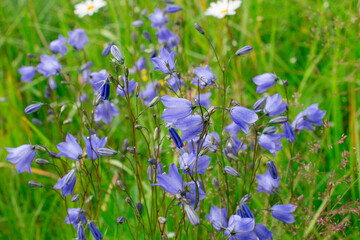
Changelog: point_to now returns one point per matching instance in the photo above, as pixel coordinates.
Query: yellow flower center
(224, 11)
(161, 81)
(90, 7)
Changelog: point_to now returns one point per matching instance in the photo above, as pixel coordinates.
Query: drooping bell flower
(268, 182)
(67, 183)
(22, 157)
(190, 163)
(310, 116)
(92, 144)
(240, 228)
(78, 39)
(164, 62)
(105, 112)
(58, 45)
(218, 218)
(242, 117)
(264, 81)
(75, 216)
(176, 108)
(271, 142)
(49, 66)
(94, 231)
(275, 106)
(164, 35)
(190, 126)
(283, 213)
(204, 99)
(149, 93)
(289, 132)
(70, 149)
(27, 73)
(204, 77)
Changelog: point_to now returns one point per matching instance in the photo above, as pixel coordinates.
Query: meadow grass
(312, 44)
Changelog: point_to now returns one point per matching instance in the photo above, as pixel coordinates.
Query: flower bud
(40, 148)
(117, 54)
(245, 199)
(106, 152)
(269, 130)
(42, 161)
(128, 200)
(75, 198)
(154, 101)
(88, 200)
(33, 108)
(138, 126)
(192, 215)
(120, 184)
(272, 169)
(139, 207)
(138, 23)
(146, 35)
(259, 103)
(199, 28)
(52, 154)
(162, 220)
(244, 50)
(279, 120)
(120, 220)
(231, 171)
(34, 184)
(156, 134)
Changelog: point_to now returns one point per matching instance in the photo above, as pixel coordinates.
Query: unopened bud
(139, 207)
(117, 54)
(231, 171)
(154, 101)
(120, 220)
(162, 220)
(199, 28)
(156, 134)
(40, 148)
(120, 184)
(244, 50)
(279, 120)
(192, 215)
(75, 198)
(52, 154)
(42, 161)
(138, 126)
(259, 103)
(88, 200)
(34, 184)
(106, 152)
(128, 200)
(269, 130)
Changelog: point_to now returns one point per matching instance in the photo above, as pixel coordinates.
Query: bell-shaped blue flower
(244, 211)
(67, 183)
(218, 218)
(275, 106)
(158, 18)
(233, 129)
(98, 79)
(149, 93)
(190, 126)
(92, 144)
(189, 164)
(164, 35)
(271, 142)
(310, 116)
(204, 77)
(75, 216)
(70, 149)
(242, 117)
(94, 231)
(22, 157)
(264, 81)
(27, 73)
(283, 213)
(240, 228)
(176, 83)
(48, 66)
(105, 112)
(289, 132)
(127, 89)
(78, 39)
(267, 183)
(262, 232)
(176, 108)
(164, 62)
(204, 99)
(58, 45)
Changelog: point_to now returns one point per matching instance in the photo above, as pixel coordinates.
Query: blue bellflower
(233, 129)
(158, 18)
(267, 182)
(149, 93)
(98, 79)
(94, 231)
(204, 77)
(244, 211)
(218, 218)
(264, 81)
(48, 66)
(22, 157)
(75, 216)
(262, 232)
(236, 145)
(176, 108)
(106, 50)
(176, 83)
(310, 116)
(211, 141)
(271, 142)
(242, 117)
(27, 73)
(275, 106)
(164, 62)
(70, 149)
(59, 46)
(190, 126)
(283, 213)
(105, 112)
(93, 144)
(127, 89)
(164, 35)
(67, 183)
(289, 132)
(240, 228)
(188, 163)
(172, 8)
(78, 39)
(81, 232)
(204, 99)
(140, 64)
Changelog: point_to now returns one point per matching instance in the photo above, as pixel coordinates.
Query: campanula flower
(106, 50)
(240, 228)
(149, 93)
(175, 136)
(52, 83)
(242, 117)
(130, 89)
(264, 81)
(22, 157)
(289, 132)
(222, 8)
(81, 232)
(192, 215)
(154, 169)
(283, 213)
(268, 182)
(218, 218)
(33, 108)
(204, 77)
(140, 64)
(78, 39)
(271, 142)
(67, 183)
(48, 66)
(188, 163)
(158, 18)
(115, 51)
(70, 149)
(75, 216)
(204, 99)
(98, 79)
(94, 231)
(105, 112)
(262, 232)
(244, 211)
(164, 35)
(105, 90)
(231, 171)
(233, 129)
(190, 126)
(275, 106)
(164, 62)
(176, 83)
(176, 108)
(310, 116)
(92, 144)
(58, 45)
(27, 73)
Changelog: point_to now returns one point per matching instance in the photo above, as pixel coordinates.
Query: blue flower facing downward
(27, 73)
(283, 213)
(92, 144)
(70, 149)
(264, 81)
(75, 216)
(242, 117)
(22, 157)
(275, 106)
(218, 218)
(78, 39)
(48, 66)
(164, 62)
(204, 77)
(67, 183)
(59, 46)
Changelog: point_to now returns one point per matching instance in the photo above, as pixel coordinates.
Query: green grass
(323, 40)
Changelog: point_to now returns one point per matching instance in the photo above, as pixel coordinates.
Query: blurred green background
(313, 44)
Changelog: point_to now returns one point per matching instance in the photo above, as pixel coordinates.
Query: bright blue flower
(275, 106)
(149, 93)
(67, 187)
(204, 77)
(204, 99)
(48, 66)
(140, 64)
(75, 216)
(121, 91)
(70, 149)
(78, 39)
(94, 231)
(105, 91)
(92, 146)
(172, 8)
(98, 79)
(59, 46)
(190, 126)
(158, 18)
(33, 108)
(164, 62)
(22, 157)
(105, 112)
(188, 163)
(310, 116)
(289, 132)
(27, 73)
(218, 218)
(233, 129)
(244, 211)
(242, 117)
(175, 83)
(262, 232)
(267, 183)
(106, 50)
(52, 83)
(272, 169)
(164, 35)
(264, 81)
(81, 232)
(283, 213)
(240, 228)
(175, 136)
(271, 142)
(176, 108)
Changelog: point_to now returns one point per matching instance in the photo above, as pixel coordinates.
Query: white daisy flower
(89, 7)
(222, 8)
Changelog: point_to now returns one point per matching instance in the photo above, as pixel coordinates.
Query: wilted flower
(58, 45)
(94, 231)
(33, 108)
(78, 39)
(310, 116)
(92, 144)
(105, 112)
(274, 105)
(218, 218)
(204, 77)
(140, 64)
(164, 62)
(67, 183)
(89, 7)
(222, 8)
(120, 220)
(27, 73)
(22, 157)
(242, 117)
(158, 18)
(283, 213)
(264, 81)
(70, 149)
(75, 216)
(49, 66)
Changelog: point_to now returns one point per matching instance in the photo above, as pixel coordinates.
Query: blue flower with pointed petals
(78, 39)
(158, 18)
(204, 99)
(94, 231)
(164, 35)
(149, 93)
(242, 117)
(190, 126)
(267, 183)
(105, 112)
(262, 232)
(70, 149)
(176, 108)
(58, 45)
(188, 163)
(92, 144)
(264, 81)
(75, 216)
(67, 183)
(22, 157)
(204, 77)
(283, 213)
(98, 79)
(240, 228)
(289, 132)
(140, 64)
(275, 106)
(310, 116)
(176, 83)
(48, 66)
(218, 218)
(233, 129)
(127, 89)
(271, 142)
(164, 62)
(27, 73)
